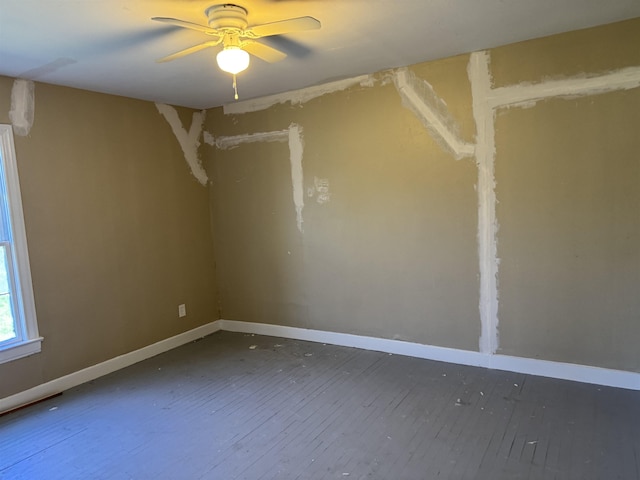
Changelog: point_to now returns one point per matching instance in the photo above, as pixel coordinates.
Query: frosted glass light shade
(232, 60)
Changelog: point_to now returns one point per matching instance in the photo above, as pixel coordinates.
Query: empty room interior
(427, 267)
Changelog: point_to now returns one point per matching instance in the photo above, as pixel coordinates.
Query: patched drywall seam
(296, 148)
(480, 78)
(486, 100)
(292, 135)
(298, 97)
(526, 95)
(419, 97)
(22, 113)
(225, 143)
(189, 141)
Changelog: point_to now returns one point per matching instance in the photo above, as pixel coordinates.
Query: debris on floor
(253, 347)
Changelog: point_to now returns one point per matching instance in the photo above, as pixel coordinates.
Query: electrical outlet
(182, 310)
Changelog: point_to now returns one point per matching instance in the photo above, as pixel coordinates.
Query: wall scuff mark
(419, 97)
(22, 113)
(189, 141)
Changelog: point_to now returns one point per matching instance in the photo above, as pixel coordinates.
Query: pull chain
(235, 87)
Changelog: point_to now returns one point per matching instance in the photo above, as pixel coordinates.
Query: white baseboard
(543, 368)
(90, 373)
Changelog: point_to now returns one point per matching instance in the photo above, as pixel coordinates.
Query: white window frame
(28, 341)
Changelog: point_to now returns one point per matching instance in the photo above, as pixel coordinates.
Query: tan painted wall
(569, 216)
(391, 254)
(394, 253)
(118, 231)
(568, 186)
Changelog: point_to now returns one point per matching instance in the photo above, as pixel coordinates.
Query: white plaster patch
(208, 138)
(321, 190)
(480, 78)
(486, 101)
(22, 113)
(525, 95)
(228, 142)
(368, 81)
(419, 97)
(189, 141)
(296, 147)
(292, 135)
(297, 97)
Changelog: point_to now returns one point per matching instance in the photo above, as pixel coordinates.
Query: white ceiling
(111, 45)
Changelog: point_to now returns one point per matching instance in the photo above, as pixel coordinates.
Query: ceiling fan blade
(188, 51)
(284, 26)
(264, 52)
(185, 24)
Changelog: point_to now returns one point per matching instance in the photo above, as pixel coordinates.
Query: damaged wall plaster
(225, 143)
(486, 100)
(296, 147)
(297, 97)
(480, 78)
(22, 113)
(292, 135)
(189, 141)
(320, 190)
(418, 96)
(526, 95)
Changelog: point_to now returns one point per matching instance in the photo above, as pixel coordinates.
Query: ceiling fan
(229, 26)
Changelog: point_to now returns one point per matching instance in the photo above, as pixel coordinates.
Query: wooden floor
(237, 406)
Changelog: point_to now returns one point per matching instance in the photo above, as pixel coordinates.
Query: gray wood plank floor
(220, 408)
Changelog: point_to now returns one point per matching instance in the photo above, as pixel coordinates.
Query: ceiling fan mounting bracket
(227, 16)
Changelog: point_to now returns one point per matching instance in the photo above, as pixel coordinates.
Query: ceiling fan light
(232, 60)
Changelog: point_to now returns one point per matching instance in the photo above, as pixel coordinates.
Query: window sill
(24, 349)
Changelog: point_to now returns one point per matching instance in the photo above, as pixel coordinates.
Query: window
(18, 327)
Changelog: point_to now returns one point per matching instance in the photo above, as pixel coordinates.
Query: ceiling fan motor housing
(227, 16)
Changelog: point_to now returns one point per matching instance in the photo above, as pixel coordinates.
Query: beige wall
(568, 187)
(391, 254)
(569, 216)
(118, 231)
(394, 252)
